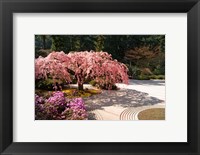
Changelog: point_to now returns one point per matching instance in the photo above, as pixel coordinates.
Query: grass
(152, 114)
(70, 92)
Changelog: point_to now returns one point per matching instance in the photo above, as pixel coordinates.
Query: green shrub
(159, 70)
(48, 84)
(143, 77)
(103, 86)
(42, 53)
(133, 71)
(160, 76)
(157, 77)
(136, 71)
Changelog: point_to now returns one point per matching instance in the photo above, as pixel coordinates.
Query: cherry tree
(55, 66)
(98, 66)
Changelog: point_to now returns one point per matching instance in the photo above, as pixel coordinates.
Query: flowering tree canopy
(54, 65)
(98, 66)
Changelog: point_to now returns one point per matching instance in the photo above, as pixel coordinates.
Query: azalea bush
(78, 109)
(58, 107)
(98, 66)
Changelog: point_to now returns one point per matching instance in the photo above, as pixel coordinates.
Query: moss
(73, 93)
(93, 91)
(70, 93)
(152, 114)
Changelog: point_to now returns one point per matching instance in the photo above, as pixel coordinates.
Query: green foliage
(114, 44)
(42, 42)
(48, 84)
(133, 71)
(105, 86)
(161, 77)
(159, 70)
(118, 44)
(99, 43)
(144, 51)
(42, 53)
(87, 42)
(59, 43)
(143, 77)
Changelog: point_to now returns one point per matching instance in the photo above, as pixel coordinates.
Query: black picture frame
(8, 7)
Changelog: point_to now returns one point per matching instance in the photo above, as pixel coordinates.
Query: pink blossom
(98, 66)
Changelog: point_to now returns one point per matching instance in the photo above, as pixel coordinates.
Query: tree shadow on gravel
(122, 97)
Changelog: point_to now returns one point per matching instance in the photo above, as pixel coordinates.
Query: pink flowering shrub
(98, 66)
(39, 99)
(57, 107)
(57, 99)
(78, 109)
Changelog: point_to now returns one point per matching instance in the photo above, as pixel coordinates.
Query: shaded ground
(123, 97)
(126, 103)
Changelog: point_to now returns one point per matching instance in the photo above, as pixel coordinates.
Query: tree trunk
(80, 86)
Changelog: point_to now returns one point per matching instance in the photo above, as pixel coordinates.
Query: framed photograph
(104, 77)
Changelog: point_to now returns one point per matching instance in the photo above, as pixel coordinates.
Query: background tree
(59, 43)
(99, 42)
(150, 49)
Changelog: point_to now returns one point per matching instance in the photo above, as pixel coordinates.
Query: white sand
(124, 104)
